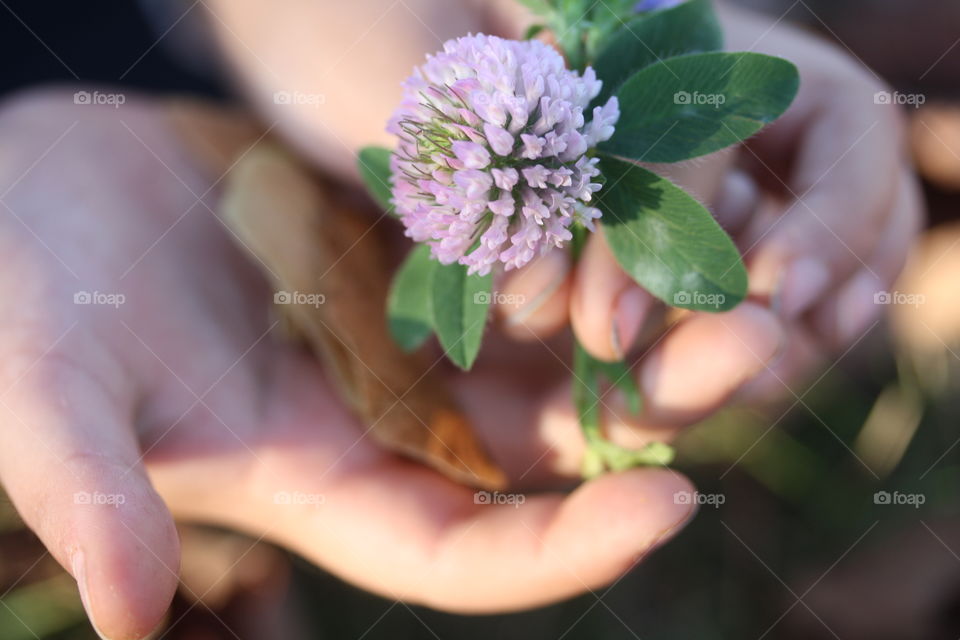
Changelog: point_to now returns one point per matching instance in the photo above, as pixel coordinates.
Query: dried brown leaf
(313, 245)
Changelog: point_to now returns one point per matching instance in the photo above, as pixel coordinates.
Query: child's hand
(847, 207)
(325, 53)
(141, 379)
(829, 227)
(845, 213)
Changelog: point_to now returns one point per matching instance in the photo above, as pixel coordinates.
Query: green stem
(602, 455)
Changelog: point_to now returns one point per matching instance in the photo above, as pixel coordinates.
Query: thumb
(70, 463)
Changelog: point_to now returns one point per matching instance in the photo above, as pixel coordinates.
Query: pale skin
(92, 391)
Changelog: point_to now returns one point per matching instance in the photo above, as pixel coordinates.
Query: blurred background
(842, 520)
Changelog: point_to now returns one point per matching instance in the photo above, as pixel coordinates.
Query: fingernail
(803, 282)
(667, 534)
(628, 316)
(536, 284)
(79, 569)
(684, 506)
(663, 537)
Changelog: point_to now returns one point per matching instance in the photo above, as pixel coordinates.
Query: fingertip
(802, 285)
(598, 338)
(705, 359)
(767, 263)
(643, 496)
(599, 283)
(533, 302)
(854, 310)
(627, 513)
(802, 356)
(126, 564)
(546, 321)
(630, 312)
(85, 492)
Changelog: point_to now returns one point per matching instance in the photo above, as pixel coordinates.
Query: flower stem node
(603, 455)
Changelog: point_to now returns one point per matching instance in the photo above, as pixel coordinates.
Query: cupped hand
(837, 206)
(143, 380)
(823, 205)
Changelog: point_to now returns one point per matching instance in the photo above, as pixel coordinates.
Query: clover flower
(492, 161)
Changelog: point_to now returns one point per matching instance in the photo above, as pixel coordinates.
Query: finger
(525, 552)
(534, 301)
(404, 531)
(838, 197)
(695, 369)
(69, 461)
(861, 299)
(704, 360)
(802, 355)
(841, 321)
(607, 309)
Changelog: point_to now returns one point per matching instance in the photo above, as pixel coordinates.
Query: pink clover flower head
(492, 162)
